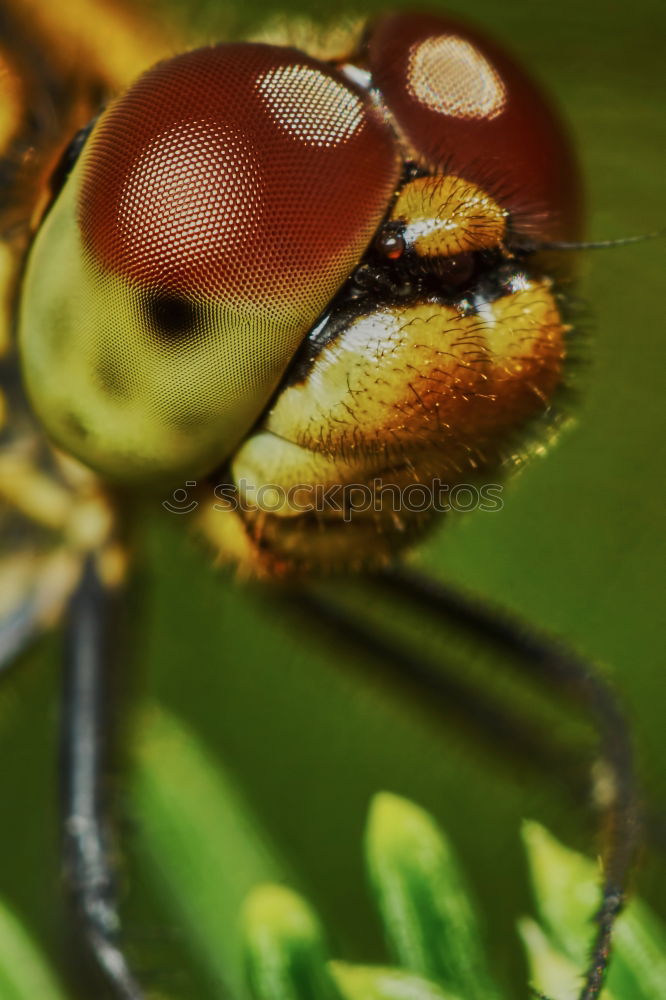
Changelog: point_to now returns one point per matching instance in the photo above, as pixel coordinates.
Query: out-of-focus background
(240, 693)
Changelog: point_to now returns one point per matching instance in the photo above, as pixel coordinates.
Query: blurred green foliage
(277, 949)
(432, 929)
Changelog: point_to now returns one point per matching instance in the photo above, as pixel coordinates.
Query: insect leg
(84, 738)
(565, 673)
(537, 657)
(429, 685)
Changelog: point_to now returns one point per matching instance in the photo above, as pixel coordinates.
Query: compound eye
(172, 317)
(467, 108)
(214, 212)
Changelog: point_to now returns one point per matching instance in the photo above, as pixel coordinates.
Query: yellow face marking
(405, 395)
(444, 216)
(426, 376)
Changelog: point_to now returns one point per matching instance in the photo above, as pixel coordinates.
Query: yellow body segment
(424, 371)
(444, 216)
(415, 394)
(106, 35)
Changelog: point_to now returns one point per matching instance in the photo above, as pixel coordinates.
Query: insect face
(243, 203)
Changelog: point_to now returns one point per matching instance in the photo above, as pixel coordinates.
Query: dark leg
(551, 664)
(432, 688)
(569, 675)
(84, 738)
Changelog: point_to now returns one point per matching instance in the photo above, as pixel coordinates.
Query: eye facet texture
(468, 108)
(242, 171)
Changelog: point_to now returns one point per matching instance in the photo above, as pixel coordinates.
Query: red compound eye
(468, 108)
(248, 174)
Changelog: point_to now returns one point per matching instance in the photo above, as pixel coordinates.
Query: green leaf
(566, 890)
(567, 894)
(24, 975)
(423, 900)
(370, 982)
(640, 952)
(284, 948)
(204, 846)
(550, 969)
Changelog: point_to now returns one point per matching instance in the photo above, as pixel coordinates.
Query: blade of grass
(430, 924)
(286, 955)
(369, 982)
(204, 847)
(24, 973)
(566, 892)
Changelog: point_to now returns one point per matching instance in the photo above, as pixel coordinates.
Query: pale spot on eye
(311, 106)
(449, 75)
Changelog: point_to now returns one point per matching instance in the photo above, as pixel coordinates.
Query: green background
(578, 549)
